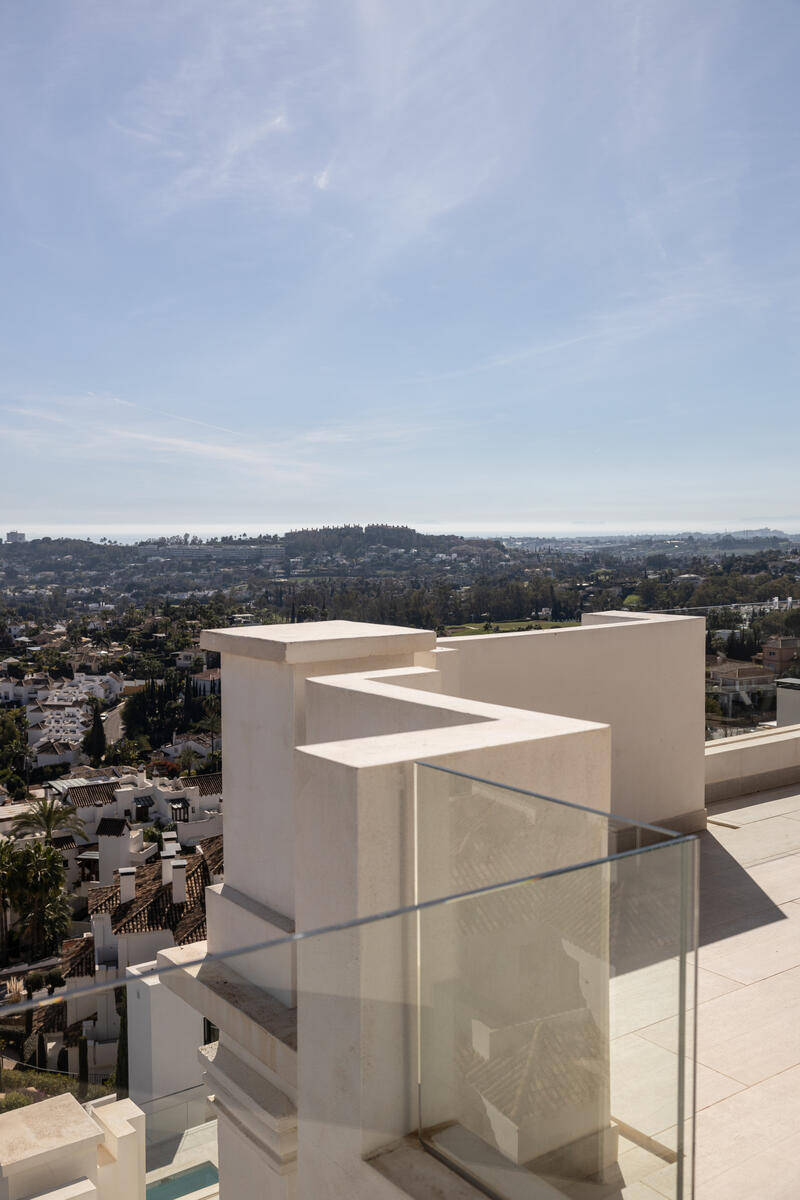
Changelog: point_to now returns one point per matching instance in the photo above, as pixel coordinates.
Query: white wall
(57, 1148)
(320, 749)
(263, 719)
(753, 762)
(114, 853)
(191, 832)
(788, 703)
(163, 1039)
(644, 675)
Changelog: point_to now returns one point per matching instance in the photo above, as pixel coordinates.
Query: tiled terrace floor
(748, 1072)
(748, 1105)
(748, 1142)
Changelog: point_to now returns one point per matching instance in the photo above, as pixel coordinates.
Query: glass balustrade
(525, 1026)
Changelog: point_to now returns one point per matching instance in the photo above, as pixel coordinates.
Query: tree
(211, 722)
(8, 854)
(13, 751)
(36, 890)
(187, 760)
(83, 1066)
(123, 753)
(56, 922)
(94, 743)
(48, 817)
(34, 982)
(53, 980)
(121, 1072)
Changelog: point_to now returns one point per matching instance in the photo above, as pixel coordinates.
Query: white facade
(788, 701)
(323, 724)
(164, 1034)
(58, 1150)
(141, 801)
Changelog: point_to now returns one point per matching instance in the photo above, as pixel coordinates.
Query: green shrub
(15, 1100)
(34, 980)
(53, 980)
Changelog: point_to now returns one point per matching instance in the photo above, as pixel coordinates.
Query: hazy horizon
(139, 532)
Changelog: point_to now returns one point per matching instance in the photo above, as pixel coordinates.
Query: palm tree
(8, 853)
(188, 760)
(212, 721)
(56, 921)
(48, 817)
(37, 883)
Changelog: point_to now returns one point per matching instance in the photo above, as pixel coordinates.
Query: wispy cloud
(92, 422)
(303, 244)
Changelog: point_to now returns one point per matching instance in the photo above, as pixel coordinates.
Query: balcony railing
(528, 1022)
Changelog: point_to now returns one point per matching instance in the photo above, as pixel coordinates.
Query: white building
(371, 768)
(193, 803)
(63, 1151)
(333, 717)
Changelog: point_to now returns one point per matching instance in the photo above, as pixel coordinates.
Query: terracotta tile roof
(65, 841)
(88, 794)
(112, 827)
(48, 1018)
(77, 957)
(152, 908)
(209, 785)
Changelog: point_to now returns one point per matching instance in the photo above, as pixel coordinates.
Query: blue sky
(500, 267)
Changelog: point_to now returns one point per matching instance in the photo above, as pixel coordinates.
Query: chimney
(127, 884)
(167, 860)
(178, 880)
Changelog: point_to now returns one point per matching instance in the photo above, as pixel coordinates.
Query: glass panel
(556, 1052)
(528, 1034)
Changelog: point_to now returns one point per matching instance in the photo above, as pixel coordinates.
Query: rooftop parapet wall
(354, 806)
(263, 718)
(752, 762)
(642, 674)
(322, 725)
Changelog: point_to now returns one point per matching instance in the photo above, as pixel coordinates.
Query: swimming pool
(183, 1183)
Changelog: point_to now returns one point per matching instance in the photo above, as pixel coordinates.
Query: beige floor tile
(747, 809)
(737, 1128)
(642, 997)
(664, 1182)
(773, 1174)
(740, 1013)
(779, 878)
(760, 952)
(650, 996)
(753, 1033)
(760, 840)
(644, 1085)
(710, 985)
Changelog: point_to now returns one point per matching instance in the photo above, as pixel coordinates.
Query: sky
(522, 267)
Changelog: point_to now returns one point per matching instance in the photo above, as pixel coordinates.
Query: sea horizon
(130, 534)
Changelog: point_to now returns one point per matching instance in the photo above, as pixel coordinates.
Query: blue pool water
(184, 1183)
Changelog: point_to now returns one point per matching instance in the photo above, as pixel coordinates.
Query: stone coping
(317, 641)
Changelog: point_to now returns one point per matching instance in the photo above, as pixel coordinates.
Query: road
(112, 723)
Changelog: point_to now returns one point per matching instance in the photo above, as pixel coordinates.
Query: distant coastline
(129, 534)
